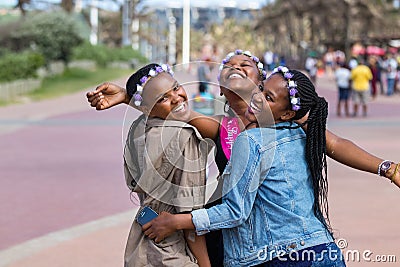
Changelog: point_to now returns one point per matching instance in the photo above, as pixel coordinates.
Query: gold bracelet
(395, 171)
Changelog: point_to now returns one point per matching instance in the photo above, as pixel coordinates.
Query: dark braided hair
(134, 79)
(315, 141)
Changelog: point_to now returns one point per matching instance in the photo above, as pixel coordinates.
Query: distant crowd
(360, 77)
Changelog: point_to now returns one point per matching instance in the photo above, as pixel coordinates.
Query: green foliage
(16, 66)
(53, 34)
(103, 54)
(98, 53)
(127, 53)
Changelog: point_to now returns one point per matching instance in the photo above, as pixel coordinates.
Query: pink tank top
(228, 133)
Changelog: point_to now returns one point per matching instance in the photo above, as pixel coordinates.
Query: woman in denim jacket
(274, 209)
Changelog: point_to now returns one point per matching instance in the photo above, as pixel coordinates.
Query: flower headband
(292, 86)
(152, 73)
(256, 60)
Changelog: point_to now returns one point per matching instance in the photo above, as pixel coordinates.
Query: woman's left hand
(160, 227)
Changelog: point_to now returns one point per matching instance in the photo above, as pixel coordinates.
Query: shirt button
(302, 243)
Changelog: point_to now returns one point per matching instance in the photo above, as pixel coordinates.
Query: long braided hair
(317, 107)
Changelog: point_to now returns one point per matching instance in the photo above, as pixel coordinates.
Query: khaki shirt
(164, 163)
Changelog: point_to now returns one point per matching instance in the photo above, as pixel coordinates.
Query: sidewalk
(16, 116)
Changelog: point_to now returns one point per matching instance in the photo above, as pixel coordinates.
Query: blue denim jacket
(267, 208)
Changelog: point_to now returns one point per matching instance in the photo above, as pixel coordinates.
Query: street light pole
(171, 37)
(126, 21)
(94, 20)
(186, 33)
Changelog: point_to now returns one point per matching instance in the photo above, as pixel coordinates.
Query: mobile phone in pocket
(146, 215)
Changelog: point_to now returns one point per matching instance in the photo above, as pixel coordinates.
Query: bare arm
(107, 95)
(166, 224)
(197, 245)
(206, 125)
(348, 153)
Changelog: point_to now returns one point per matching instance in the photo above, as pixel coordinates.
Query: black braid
(134, 79)
(315, 142)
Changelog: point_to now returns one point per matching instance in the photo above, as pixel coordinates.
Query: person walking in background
(353, 62)
(204, 75)
(329, 60)
(376, 75)
(390, 65)
(268, 60)
(343, 76)
(311, 66)
(361, 76)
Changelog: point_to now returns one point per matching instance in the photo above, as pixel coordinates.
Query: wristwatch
(384, 167)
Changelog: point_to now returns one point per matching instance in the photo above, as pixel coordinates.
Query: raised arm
(346, 152)
(107, 95)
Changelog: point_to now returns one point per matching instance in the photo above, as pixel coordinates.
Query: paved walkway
(64, 202)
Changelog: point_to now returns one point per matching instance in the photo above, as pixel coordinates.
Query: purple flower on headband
(292, 91)
(159, 69)
(143, 79)
(255, 59)
(295, 107)
(264, 74)
(238, 51)
(288, 75)
(224, 61)
(137, 97)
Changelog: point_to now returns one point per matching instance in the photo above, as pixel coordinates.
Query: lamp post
(126, 23)
(186, 34)
(94, 21)
(171, 39)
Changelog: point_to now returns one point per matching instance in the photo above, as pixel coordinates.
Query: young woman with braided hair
(274, 208)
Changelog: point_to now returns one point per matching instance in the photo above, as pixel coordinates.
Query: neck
(240, 108)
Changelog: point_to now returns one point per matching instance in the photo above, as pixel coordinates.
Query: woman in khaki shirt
(164, 163)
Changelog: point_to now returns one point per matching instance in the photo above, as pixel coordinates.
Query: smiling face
(238, 77)
(165, 98)
(272, 104)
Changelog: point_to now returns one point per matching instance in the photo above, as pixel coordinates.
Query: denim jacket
(267, 208)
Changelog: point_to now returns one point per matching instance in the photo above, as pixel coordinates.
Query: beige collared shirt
(164, 163)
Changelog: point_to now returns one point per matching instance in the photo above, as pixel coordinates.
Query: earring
(227, 107)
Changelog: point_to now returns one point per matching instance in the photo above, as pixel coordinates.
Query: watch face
(386, 166)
